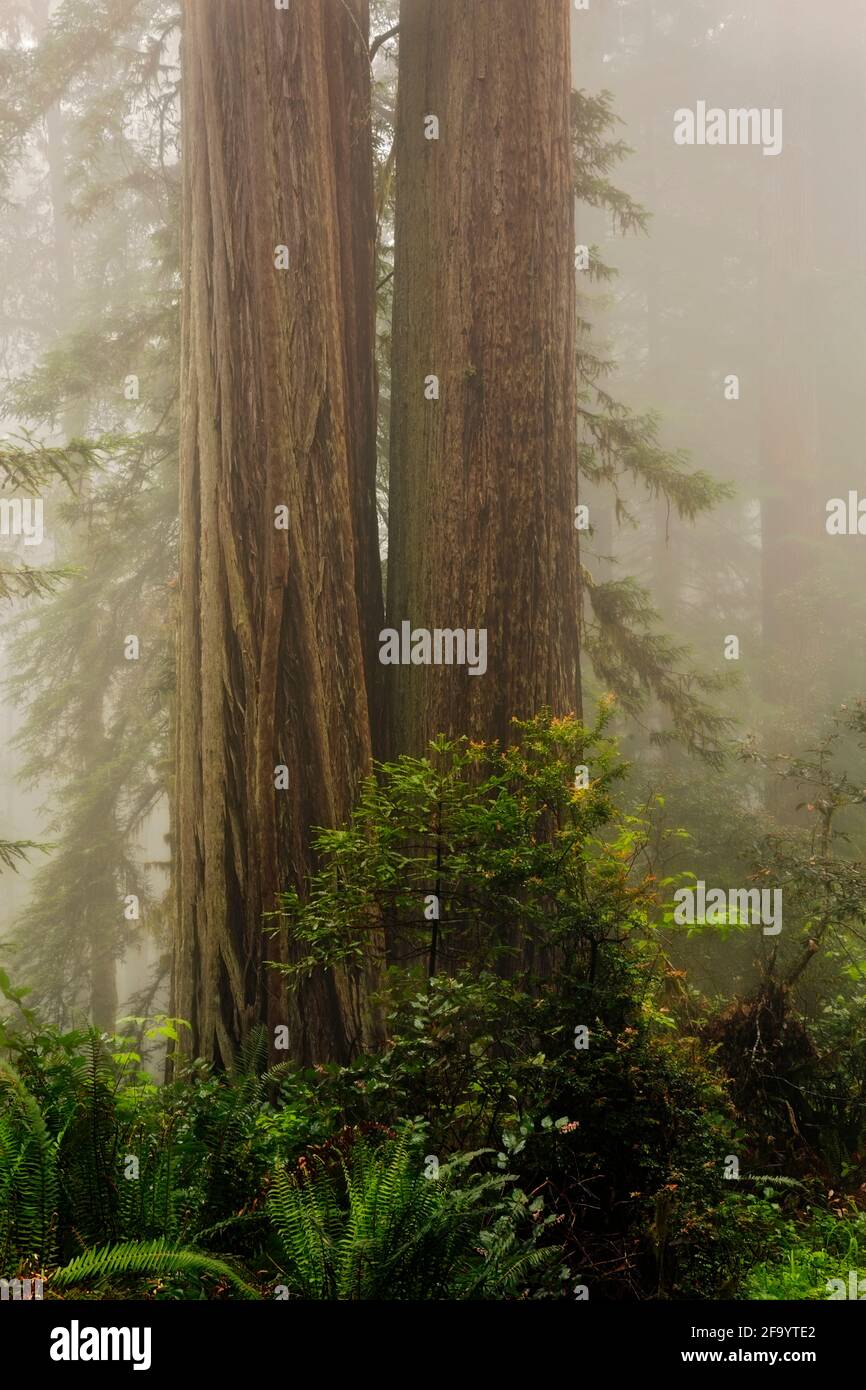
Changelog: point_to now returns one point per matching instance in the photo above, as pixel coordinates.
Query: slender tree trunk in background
(99, 928)
(348, 75)
(788, 406)
(484, 479)
(102, 917)
(103, 987)
(664, 569)
(278, 400)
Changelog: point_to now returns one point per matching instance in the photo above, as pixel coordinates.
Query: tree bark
(278, 408)
(484, 479)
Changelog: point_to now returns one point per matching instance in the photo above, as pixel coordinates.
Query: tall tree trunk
(278, 403)
(347, 28)
(99, 928)
(788, 425)
(664, 570)
(484, 479)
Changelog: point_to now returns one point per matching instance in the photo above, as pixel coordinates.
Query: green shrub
(829, 1247)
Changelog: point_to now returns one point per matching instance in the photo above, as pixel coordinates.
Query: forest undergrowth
(555, 1109)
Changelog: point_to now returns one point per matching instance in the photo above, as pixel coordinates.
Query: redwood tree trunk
(484, 479)
(278, 409)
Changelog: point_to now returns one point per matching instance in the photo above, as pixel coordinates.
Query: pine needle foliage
(95, 732)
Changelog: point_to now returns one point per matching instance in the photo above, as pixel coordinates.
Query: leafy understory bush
(354, 1219)
(548, 1106)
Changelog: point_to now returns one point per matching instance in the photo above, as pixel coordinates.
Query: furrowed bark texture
(484, 480)
(278, 407)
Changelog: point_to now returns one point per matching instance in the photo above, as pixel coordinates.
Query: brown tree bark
(484, 479)
(278, 408)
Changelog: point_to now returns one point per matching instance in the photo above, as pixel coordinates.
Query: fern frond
(30, 1173)
(140, 1258)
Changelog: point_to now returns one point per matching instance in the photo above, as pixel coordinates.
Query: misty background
(746, 265)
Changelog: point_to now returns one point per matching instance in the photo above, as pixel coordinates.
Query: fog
(734, 316)
(292, 357)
